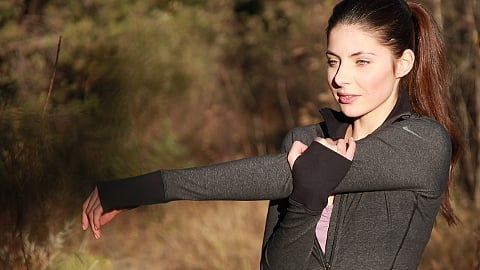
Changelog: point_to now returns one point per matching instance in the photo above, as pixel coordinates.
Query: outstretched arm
(257, 178)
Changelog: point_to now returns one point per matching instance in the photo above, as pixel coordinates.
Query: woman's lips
(347, 98)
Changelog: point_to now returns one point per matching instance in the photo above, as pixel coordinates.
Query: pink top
(322, 226)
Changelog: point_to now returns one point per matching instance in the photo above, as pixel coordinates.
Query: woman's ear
(405, 63)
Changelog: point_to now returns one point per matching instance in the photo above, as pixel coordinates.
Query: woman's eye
(362, 62)
(332, 62)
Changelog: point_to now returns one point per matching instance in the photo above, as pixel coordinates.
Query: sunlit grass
(228, 235)
(184, 235)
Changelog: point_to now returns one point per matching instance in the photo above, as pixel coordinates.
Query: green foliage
(80, 261)
(7, 12)
(141, 85)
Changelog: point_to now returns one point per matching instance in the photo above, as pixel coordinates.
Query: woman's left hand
(93, 216)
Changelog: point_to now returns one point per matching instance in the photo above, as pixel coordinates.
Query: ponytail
(402, 25)
(428, 85)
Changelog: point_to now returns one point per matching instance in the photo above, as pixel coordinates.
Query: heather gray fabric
(384, 208)
(257, 178)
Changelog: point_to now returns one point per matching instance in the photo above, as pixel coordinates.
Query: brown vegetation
(142, 85)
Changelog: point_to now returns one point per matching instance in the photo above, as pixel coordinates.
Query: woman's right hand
(317, 169)
(93, 216)
(346, 148)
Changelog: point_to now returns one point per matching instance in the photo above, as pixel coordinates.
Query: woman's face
(361, 74)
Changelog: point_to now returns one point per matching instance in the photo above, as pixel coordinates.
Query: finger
(107, 217)
(295, 151)
(97, 232)
(91, 212)
(298, 147)
(92, 227)
(327, 142)
(341, 147)
(84, 220)
(91, 199)
(330, 141)
(84, 214)
(302, 147)
(97, 213)
(352, 146)
(86, 207)
(321, 140)
(292, 157)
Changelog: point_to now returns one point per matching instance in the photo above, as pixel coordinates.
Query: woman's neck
(362, 127)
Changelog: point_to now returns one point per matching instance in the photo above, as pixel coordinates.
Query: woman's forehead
(351, 38)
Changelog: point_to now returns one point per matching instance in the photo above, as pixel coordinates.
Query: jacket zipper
(328, 264)
(321, 255)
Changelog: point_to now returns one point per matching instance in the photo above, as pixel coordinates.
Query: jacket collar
(336, 123)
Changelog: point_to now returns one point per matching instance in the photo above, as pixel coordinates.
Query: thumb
(296, 150)
(352, 146)
(107, 217)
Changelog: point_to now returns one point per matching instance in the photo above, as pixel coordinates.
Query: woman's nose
(340, 77)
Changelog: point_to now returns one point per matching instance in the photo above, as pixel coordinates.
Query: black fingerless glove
(316, 173)
(131, 192)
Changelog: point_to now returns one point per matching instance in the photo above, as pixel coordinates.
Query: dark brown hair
(401, 25)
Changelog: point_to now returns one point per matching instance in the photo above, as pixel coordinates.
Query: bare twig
(45, 107)
(476, 259)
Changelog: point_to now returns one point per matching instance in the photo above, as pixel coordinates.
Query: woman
(368, 188)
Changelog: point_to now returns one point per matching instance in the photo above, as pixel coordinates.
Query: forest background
(143, 85)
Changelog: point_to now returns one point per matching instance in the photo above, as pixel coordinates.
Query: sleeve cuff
(131, 192)
(316, 173)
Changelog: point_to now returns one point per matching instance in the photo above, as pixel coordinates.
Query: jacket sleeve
(257, 178)
(413, 154)
(277, 208)
(289, 238)
(292, 244)
(408, 155)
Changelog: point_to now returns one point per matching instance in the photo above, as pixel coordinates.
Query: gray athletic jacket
(384, 207)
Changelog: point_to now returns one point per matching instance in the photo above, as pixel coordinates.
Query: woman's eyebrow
(362, 52)
(327, 53)
(352, 55)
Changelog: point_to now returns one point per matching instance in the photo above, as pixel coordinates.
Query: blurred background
(99, 89)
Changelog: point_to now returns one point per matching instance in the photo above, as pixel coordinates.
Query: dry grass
(184, 235)
(455, 247)
(228, 235)
(210, 235)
